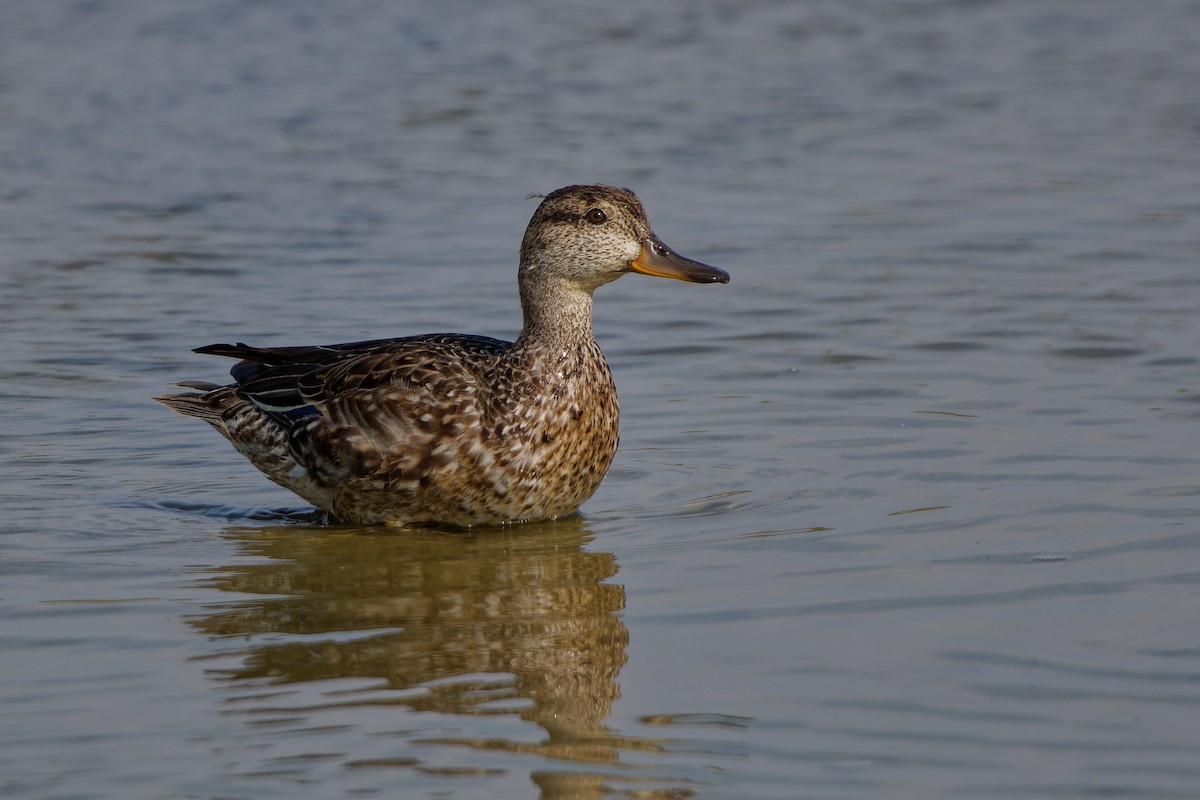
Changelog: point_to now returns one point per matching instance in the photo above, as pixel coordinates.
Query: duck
(452, 429)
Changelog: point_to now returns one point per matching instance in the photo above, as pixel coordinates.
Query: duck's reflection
(522, 623)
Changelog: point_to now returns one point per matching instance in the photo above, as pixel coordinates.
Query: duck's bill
(662, 262)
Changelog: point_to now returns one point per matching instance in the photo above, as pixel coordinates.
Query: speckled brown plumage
(446, 428)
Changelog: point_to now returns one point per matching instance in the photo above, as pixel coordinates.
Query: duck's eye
(596, 216)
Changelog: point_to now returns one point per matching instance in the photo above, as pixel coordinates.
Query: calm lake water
(910, 509)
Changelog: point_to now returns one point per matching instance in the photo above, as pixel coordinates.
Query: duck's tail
(209, 404)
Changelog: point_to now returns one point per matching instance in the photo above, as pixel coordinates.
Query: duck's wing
(379, 386)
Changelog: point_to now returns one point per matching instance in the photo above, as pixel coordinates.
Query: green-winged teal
(447, 428)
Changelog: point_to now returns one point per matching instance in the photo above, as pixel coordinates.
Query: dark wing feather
(294, 384)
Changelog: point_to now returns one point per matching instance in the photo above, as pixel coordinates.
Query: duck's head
(590, 235)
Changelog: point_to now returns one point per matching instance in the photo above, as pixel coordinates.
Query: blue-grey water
(910, 509)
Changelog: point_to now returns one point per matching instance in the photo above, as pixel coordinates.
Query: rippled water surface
(910, 509)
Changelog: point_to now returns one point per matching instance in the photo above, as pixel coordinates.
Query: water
(910, 509)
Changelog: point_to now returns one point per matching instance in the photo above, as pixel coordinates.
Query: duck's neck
(556, 313)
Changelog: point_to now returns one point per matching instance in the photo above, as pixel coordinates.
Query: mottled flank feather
(447, 428)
